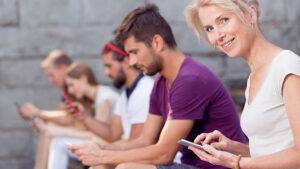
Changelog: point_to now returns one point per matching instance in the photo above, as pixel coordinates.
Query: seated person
(81, 86)
(271, 114)
(55, 66)
(132, 106)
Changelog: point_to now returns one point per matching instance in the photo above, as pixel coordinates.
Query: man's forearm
(124, 145)
(153, 154)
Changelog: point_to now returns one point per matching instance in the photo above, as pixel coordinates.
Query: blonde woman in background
(271, 114)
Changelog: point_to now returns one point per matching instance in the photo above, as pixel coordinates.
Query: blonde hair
(57, 58)
(240, 7)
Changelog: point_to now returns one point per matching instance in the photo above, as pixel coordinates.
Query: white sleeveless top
(265, 121)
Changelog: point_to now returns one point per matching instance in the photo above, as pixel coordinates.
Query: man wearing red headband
(132, 106)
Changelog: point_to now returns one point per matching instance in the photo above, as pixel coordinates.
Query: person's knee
(124, 166)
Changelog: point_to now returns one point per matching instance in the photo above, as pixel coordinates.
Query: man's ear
(125, 63)
(158, 43)
(126, 60)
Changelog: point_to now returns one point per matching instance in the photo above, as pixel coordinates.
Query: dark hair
(143, 23)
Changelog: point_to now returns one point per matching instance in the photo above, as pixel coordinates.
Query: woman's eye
(209, 29)
(224, 20)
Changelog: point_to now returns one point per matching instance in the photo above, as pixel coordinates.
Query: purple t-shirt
(196, 94)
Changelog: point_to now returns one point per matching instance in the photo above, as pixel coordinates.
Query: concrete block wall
(30, 29)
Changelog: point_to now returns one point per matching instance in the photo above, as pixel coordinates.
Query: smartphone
(74, 109)
(188, 143)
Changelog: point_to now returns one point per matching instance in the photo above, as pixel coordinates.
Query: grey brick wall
(29, 29)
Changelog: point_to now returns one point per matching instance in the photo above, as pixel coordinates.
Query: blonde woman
(271, 114)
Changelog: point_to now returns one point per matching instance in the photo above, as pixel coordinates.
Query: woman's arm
(60, 117)
(103, 111)
(287, 158)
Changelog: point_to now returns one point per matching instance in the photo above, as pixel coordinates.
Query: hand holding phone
(74, 109)
(188, 143)
(29, 116)
(22, 113)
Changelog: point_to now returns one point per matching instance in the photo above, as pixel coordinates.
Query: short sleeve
(119, 108)
(139, 102)
(190, 98)
(139, 108)
(289, 63)
(155, 97)
(153, 105)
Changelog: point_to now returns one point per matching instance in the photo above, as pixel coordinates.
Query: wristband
(237, 164)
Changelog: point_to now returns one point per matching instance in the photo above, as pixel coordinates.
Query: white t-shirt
(106, 93)
(135, 109)
(265, 120)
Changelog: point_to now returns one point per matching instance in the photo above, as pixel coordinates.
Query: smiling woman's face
(226, 30)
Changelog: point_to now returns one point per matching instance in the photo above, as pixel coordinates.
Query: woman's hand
(215, 139)
(216, 157)
(80, 114)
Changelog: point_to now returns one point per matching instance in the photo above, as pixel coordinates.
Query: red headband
(108, 47)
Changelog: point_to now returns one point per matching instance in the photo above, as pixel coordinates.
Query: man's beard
(120, 79)
(155, 66)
